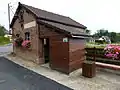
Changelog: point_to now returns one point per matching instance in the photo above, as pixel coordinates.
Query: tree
(117, 37)
(112, 36)
(101, 32)
(2, 30)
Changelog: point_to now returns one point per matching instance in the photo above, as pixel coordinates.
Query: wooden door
(59, 55)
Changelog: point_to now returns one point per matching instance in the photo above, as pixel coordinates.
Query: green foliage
(114, 37)
(2, 30)
(4, 40)
(101, 32)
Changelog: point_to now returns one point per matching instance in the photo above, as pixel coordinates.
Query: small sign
(65, 39)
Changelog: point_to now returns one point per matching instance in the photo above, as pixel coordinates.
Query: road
(5, 49)
(15, 77)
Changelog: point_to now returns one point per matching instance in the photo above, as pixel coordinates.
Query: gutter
(80, 37)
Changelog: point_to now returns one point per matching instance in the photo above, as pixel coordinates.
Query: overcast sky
(95, 14)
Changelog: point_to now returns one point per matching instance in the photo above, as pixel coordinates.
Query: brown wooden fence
(97, 54)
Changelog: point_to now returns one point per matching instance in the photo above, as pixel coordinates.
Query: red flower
(26, 44)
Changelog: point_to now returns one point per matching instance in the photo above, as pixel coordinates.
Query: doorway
(46, 49)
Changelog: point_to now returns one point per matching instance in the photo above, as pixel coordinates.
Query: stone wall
(28, 19)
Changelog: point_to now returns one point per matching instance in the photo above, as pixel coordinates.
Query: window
(27, 36)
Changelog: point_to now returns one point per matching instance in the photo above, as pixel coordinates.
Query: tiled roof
(52, 16)
(62, 22)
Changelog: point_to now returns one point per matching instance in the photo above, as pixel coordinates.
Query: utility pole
(9, 15)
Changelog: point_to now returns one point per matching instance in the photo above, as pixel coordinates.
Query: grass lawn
(4, 40)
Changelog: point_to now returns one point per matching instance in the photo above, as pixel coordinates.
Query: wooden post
(94, 56)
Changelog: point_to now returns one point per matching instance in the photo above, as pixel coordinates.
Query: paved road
(15, 77)
(5, 49)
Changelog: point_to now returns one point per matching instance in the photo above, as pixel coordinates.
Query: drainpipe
(38, 33)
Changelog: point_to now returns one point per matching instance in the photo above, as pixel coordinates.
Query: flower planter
(89, 69)
(26, 44)
(112, 51)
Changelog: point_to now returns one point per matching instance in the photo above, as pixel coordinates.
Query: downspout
(38, 36)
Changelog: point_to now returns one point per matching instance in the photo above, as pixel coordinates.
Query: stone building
(54, 38)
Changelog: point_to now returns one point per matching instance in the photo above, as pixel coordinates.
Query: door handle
(64, 58)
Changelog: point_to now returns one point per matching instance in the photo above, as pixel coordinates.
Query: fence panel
(97, 54)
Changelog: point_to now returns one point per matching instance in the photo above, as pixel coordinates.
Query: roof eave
(83, 34)
(61, 23)
(80, 37)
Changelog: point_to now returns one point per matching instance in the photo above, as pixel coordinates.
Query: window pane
(27, 36)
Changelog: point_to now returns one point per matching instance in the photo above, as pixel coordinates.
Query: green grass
(89, 45)
(4, 40)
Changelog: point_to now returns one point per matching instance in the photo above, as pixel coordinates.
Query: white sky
(95, 14)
